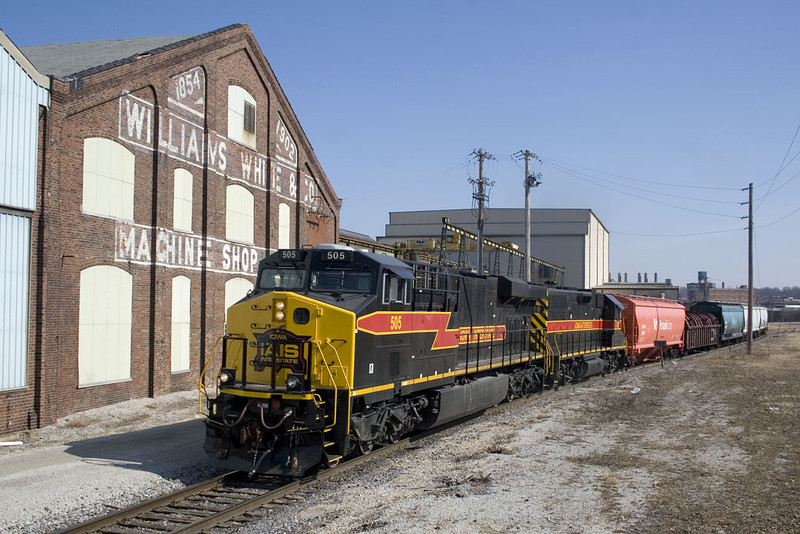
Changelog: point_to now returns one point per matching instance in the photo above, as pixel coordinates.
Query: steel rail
(93, 525)
(138, 515)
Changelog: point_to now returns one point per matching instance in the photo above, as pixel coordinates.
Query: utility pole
(750, 271)
(530, 181)
(481, 197)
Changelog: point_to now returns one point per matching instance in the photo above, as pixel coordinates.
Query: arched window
(182, 203)
(181, 323)
(241, 116)
(235, 289)
(108, 171)
(105, 316)
(284, 226)
(239, 214)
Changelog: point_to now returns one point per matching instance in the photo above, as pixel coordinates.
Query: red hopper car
(647, 320)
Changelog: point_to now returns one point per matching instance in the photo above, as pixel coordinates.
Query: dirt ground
(724, 433)
(708, 443)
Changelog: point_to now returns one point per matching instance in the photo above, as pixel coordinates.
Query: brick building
(169, 167)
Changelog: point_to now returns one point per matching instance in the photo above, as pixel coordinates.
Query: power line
(781, 167)
(545, 160)
(644, 198)
(779, 220)
(681, 235)
(681, 197)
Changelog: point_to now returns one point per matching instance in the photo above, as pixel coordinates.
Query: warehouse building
(24, 97)
(574, 239)
(170, 166)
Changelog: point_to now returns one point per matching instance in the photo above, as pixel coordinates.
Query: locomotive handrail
(333, 380)
(201, 385)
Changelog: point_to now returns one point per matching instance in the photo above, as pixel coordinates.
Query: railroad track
(228, 499)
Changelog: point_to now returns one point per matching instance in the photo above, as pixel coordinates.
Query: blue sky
(653, 114)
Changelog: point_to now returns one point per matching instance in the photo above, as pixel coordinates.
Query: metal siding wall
(14, 276)
(20, 97)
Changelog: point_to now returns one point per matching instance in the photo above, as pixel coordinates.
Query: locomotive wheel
(392, 433)
(365, 447)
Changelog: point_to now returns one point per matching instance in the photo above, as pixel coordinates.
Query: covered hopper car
(652, 326)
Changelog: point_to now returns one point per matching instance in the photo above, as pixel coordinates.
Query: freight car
(652, 327)
(731, 318)
(759, 321)
(335, 351)
(700, 332)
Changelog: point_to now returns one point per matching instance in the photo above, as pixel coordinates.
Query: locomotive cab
(288, 358)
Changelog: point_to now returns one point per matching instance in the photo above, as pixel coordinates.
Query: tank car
(336, 351)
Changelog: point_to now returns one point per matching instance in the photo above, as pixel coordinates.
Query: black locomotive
(336, 351)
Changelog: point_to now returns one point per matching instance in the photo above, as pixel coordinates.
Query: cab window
(281, 278)
(342, 280)
(395, 289)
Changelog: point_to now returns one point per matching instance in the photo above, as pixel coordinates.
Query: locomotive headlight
(279, 314)
(227, 376)
(293, 382)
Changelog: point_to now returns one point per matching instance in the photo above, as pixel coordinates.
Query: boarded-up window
(284, 226)
(235, 289)
(182, 204)
(15, 233)
(239, 218)
(108, 171)
(181, 323)
(239, 102)
(105, 315)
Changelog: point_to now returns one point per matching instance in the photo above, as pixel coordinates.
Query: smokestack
(640, 277)
(655, 278)
(619, 277)
(645, 278)
(723, 285)
(626, 278)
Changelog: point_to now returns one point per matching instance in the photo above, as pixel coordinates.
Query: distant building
(363, 242)
(574, 239)
(658, 290)
(699, 291)
(730, 295)
(780, 303)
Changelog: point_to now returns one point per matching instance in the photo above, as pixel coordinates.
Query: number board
(337, 255)
(292, 255)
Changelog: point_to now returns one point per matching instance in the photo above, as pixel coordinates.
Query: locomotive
(336, 351)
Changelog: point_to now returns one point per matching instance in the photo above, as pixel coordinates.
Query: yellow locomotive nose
(277, 337)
